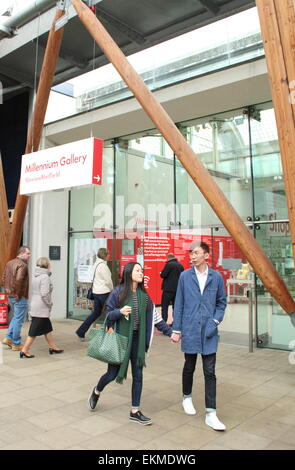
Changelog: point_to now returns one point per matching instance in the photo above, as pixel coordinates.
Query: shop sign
(66, 166)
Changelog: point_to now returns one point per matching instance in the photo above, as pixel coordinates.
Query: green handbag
(107, 346)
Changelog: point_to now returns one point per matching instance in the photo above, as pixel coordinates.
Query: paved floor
(44, 400)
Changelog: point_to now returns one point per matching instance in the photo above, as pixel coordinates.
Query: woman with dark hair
(132, 311)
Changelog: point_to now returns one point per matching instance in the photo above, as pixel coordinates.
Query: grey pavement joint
(44, 400)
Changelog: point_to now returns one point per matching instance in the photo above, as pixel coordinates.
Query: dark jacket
(170, 275)
(153, 318)
(16, 278)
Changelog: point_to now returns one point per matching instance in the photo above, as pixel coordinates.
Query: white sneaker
(188, 406)
(212, 421)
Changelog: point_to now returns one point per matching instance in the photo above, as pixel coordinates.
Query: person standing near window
(101, 288)
(170, 276)
(133, 312)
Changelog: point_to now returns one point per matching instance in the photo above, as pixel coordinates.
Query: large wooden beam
(4, 220)
(36, 126)
(200, 175)
(277, 20)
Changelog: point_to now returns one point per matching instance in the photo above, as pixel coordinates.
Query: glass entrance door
(238, 279)
(273, 325)
(83, 248)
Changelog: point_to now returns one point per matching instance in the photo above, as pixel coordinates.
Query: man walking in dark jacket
(170, 275)
(16, 285)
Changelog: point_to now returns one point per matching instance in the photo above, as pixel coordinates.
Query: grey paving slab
(44, 400)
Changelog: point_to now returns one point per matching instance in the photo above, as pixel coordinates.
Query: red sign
(156, 248)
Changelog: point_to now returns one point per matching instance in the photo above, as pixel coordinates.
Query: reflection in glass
(269, 191)
(221, 142)
(274, 327)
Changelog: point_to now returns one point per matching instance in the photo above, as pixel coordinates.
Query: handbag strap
(105, 328)
(95, 271)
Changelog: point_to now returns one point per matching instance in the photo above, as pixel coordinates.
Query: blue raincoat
(194, 312)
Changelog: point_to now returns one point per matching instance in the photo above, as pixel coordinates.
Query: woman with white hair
(41, 305)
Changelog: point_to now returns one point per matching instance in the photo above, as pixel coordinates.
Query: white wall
(49, 226)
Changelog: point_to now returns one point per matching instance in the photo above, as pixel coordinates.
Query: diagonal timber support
(277, 19)
(36, 126)
(4, 220)
(200, 175)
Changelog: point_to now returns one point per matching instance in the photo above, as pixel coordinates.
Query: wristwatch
(216, 321)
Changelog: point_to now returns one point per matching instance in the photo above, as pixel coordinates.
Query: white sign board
(75, 164)
(85, 273)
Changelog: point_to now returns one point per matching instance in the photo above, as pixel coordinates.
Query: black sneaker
(92, 400)
(140, 418)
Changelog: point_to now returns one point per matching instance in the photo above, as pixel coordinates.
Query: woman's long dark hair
(126, 283)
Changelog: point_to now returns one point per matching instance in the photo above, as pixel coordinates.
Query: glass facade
(148, 206)
(224, 43)
(84, 234)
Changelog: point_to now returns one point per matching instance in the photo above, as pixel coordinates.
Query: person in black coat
(170, 275)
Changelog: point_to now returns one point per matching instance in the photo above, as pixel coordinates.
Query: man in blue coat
(199, 308)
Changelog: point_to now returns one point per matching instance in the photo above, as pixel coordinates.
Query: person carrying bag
(133, 315)
(101, 287)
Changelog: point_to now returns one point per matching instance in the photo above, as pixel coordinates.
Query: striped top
(157, 317)
(135, 312)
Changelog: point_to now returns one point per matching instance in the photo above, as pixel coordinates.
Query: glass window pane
(144, 182)
(273, 324)
(231, 263)
(221, 142)
(269, 190)
(92, 206)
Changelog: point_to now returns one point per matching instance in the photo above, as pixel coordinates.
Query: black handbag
(90, 295)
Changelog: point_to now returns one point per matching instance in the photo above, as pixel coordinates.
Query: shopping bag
(107, 345)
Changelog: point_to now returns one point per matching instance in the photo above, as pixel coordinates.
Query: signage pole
(36, 126)
(200, 175)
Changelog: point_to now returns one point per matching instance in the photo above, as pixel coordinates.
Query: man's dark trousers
(209, 362)
(167, 298)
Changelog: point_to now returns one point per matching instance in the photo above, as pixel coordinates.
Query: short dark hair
(202, 245)
(170, 256)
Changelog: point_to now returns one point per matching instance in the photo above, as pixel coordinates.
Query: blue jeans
(19, 308)
(99, 301)
(113, 370)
